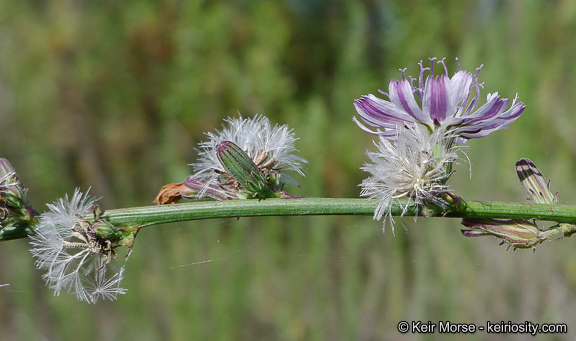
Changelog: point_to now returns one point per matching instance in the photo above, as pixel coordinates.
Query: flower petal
(435, 102)
(388, 133)
(459, 86)
(378, 112)
(491, 117)
(402, 95)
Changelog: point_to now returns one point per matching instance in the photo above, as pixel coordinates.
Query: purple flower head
(438, 102)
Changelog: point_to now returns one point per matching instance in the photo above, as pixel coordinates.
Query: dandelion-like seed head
(438, 103)
(270, 147)
(75, 257)
(415, 167)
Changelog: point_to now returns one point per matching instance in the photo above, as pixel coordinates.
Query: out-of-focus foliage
(115, 95)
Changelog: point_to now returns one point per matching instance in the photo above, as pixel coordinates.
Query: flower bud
(517, 233)
(17, 218)
(535, 183)
(236, 162)
(240, 167)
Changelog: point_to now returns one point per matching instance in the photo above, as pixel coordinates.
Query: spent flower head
(439, 103)
(415, 167)
(79, 256)
(270, 150)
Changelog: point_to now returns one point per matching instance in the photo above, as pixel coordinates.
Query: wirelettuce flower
(270, 149)
(416, 166)
(79, 256)
(439, 103)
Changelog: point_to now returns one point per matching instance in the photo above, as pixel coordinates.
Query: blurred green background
(115, 95)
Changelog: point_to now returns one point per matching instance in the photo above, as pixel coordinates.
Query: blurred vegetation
(115, 95)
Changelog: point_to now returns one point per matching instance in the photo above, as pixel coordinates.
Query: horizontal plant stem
(152, 215)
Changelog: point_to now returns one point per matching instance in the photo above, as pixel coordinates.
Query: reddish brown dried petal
(170, 194)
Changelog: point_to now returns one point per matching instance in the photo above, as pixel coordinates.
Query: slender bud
(538, 189)
(236, 162)
(517, 233)
(240, 168)
(17, 218)
(535, 184)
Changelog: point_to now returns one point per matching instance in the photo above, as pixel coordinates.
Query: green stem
(152, 215)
